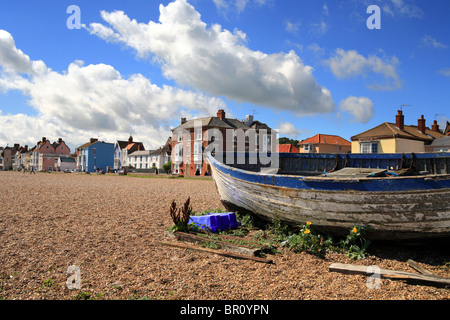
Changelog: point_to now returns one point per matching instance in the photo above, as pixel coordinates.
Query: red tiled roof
(326, 139)
(289, 148)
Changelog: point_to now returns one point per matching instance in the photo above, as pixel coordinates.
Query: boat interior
(340, 165)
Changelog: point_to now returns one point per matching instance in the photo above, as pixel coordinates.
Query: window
(369, 147)
(198, 134)
(197, 148)
(198, 169)
(176, 168)
(308, 147)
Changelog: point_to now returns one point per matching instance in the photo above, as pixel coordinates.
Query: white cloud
(400, 8)
(291, 27)
(361, 108)
(288, 129)
(217, 61)
(13, 60)
(347, 64)
(94, 100)
(319, 28)
(445, 72)
(429, 41)
(238, 5)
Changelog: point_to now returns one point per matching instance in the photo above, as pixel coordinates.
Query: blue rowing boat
(398, 196)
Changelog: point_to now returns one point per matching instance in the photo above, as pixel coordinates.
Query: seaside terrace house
(95, 155)
(45, 155)
(396, 137)
(6, 158)
(192, 137)
(148, 159)
(21, 158)
(325, 143)
(124, 148)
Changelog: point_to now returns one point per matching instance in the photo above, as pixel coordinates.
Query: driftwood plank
(221, 253)
(392, 274)
(188, 237)
(418, 268)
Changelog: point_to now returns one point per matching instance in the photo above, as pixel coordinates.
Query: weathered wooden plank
(391, 274)
(241, 249)
(418, 268)
(221, 253)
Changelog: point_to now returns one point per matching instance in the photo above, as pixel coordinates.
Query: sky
(110, 69)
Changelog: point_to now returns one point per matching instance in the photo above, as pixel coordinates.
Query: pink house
(45, 155)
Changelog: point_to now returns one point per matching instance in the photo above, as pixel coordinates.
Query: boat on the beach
(397, 196)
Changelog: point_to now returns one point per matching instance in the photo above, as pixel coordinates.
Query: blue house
(95, 155)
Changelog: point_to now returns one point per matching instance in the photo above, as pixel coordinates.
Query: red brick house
(192, 137)
(44, 156)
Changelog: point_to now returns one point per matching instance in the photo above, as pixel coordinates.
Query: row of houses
(91, 156)
(388, 137)
(192, 137)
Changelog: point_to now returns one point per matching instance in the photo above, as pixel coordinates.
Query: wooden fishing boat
(398, 197)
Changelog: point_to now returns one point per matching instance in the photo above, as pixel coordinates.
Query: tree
(166, 167)
(285, 140)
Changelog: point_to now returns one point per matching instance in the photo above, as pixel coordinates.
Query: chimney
(221, 114)
(59, 140)
(421, 124)
(400, 120)
(93, 140)
(130, 139)
(44, 139)
(183, 121)
(248, 120)
(435, 126)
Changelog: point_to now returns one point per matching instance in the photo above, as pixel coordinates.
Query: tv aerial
(404, 105)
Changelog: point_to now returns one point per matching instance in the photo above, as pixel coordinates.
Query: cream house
(396, 137)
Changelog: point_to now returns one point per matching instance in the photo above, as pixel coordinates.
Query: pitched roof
(326, 139)
(389, 130)
(213, 122)
(141, 153)
(441, 142)
(288, 148)
(122, 144)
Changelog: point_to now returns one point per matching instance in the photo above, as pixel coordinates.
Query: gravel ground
(110, 227)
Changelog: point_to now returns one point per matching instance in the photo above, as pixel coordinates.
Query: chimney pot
(435, 126)
(221, 114)
(421, 124)
(183, 121)
(400, 120)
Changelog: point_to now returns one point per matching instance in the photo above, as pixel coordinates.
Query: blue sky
(136, 67)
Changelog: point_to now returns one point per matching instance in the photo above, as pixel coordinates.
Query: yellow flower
(308, 223)
(355, 230)
(307, 231)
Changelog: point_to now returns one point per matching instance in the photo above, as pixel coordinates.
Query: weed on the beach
(181, 216)
(48, 283)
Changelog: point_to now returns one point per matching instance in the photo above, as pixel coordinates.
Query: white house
(148, 159)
